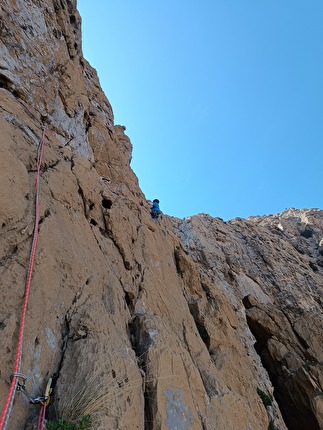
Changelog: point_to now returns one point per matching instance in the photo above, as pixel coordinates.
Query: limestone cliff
(177, 324)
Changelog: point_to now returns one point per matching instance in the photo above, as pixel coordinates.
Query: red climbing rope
(9, 401)
(41, 418)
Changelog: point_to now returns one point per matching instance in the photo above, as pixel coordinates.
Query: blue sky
(221, 99)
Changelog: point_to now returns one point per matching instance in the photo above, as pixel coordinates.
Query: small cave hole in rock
(313, 266)
(307, 233)
(93, 222)
(106, 203)
(5, 82)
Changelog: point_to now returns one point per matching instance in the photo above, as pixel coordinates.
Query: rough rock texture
(177, 324)
(273, 265)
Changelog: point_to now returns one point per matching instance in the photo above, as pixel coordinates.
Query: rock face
(176, 324)
(273, 265)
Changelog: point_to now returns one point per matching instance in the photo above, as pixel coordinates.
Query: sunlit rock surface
(176, 324)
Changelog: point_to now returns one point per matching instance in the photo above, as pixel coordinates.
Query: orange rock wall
(176, 324)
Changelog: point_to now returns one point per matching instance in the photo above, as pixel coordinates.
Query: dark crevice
(185, 338)
(104, 232)
(199, 322)
(203, 333)
(52, 410)
(177, 257)
(87, 122)
(130, 302)
(46, 215)
(5, 82)
(81, 194)
(296, 414)
(19, 94)
(107, 232)
(98, 242)
(45, 166)
(208, 380)
(73, 20)
(301, 340)
(87, 205)
(141, 342)
(139, 338)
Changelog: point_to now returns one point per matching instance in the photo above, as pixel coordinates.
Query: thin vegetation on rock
(85, 423)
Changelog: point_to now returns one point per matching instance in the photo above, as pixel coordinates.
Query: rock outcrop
(177, 324)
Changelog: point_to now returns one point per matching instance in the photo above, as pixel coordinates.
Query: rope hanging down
(10, 398)
(41, 419)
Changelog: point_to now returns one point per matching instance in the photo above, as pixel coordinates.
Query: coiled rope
(12, 391)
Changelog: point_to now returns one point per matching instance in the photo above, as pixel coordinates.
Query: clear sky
(222, 99)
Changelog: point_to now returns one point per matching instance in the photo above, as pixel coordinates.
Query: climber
(155, 211)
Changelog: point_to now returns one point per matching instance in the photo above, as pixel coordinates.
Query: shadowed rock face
(187, 324)
(271, 267)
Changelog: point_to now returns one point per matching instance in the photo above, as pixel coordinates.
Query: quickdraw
(21, 386)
